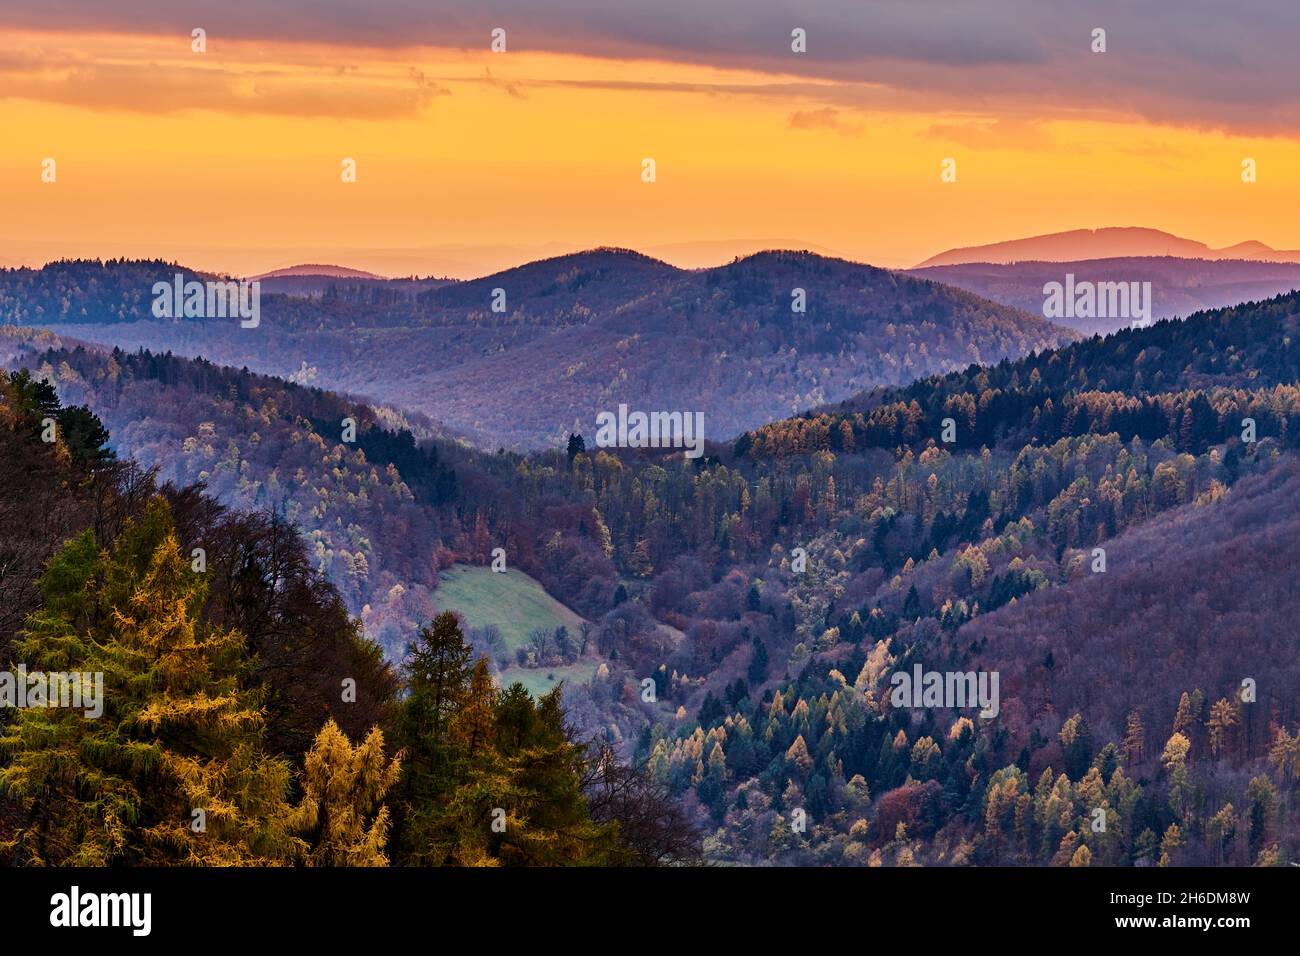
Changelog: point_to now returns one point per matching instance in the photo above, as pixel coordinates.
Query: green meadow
(517, 605)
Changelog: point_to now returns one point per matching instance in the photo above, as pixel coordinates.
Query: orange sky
(470, 161)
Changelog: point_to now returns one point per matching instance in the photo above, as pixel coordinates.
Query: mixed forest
(516, 358)
(246, 719)
(1109, 525)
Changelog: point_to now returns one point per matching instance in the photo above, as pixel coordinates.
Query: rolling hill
(1179, 287)
(576, 335)
(772, 678)
(1107, 243)
(316, 270)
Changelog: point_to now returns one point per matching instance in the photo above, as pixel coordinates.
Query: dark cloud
(1205, 63)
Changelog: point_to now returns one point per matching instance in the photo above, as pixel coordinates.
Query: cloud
(1197, 63)
(995, 134)
(824, 118)
(168, 87)
(510, 88)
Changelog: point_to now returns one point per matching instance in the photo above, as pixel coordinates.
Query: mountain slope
(772, 674)
(1232, 619)
(1179, 287)
(579, 335)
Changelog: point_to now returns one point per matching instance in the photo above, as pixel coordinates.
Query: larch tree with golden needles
(472, 727)
(173, 772)
(344, 787)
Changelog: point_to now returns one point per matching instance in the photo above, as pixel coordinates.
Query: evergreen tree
(438, 671)
(173, 771)
(548, 822)
(488, 778)
(758, 662)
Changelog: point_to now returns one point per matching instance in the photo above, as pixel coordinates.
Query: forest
(248, 720)
(575, 335)
(1108, 525)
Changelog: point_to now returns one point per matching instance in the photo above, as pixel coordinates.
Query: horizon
(470, 160)
(291, 268)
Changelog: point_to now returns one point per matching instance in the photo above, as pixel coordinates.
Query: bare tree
(652, 824)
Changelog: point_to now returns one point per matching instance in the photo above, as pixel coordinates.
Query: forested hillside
(242, 719)
(1083, 535)
(382, 517)
(516, 358)
(1107, 527)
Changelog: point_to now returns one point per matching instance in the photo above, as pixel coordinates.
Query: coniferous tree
(173, 771)
(758, 661)
(438, 674)
(489, 778)
(473, 727)
(345, 820)
(439, 669)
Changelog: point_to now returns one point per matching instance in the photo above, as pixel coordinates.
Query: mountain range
(1094, 522)
(1108, 243)
(1179, 287)
(523, 357)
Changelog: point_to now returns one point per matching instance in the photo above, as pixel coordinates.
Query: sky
(469, 160)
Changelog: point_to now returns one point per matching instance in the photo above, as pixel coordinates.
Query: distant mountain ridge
(519, 357)
(1106, 243)
(1179, 287)
(337, 272)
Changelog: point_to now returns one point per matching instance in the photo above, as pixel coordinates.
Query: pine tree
(438, 671)
(549, 823)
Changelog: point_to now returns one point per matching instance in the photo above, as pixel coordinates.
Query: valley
(582, 334)
(969, 547)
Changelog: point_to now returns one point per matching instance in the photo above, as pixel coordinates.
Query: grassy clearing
(512, 601)
(542, 680)
(516, 605)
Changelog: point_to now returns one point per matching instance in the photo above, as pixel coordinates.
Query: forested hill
(1200, 371)
(1110, 532)
(226, 683)
(381, 515)
(516, 358)
(770, 590)
(84, 290)
(386, 503)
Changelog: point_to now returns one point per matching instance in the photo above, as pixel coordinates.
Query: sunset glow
(469, 161)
